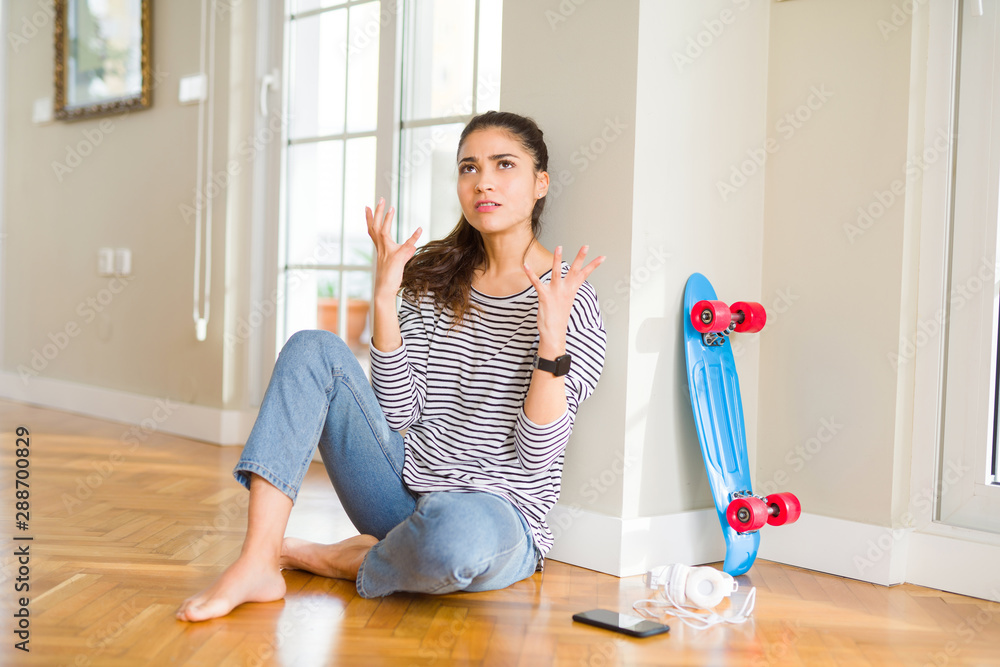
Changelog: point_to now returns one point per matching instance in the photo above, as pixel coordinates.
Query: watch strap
(558, 366)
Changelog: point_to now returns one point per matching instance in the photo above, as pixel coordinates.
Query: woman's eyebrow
(492, 157)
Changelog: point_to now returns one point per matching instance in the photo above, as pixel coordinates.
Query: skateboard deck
(718, 418)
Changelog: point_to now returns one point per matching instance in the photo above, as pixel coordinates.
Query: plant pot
(328, 313)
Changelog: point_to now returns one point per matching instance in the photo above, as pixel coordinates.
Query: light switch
(193, 89)
(42, 111)
(123, 261)
(105, 261)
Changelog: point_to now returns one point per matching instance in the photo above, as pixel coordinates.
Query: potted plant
(358, 304)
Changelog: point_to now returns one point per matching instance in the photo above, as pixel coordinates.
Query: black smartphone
(627, 624)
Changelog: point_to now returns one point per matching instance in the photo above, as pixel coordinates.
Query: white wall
(134, 338)
(826, 358)
(650, 202)
(574, 73)
(699, 110)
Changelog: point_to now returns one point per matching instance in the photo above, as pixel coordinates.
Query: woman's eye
(506, 162)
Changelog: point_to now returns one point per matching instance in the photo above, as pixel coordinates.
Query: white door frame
(938, 555)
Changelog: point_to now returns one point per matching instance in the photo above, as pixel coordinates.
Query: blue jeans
(432, 543)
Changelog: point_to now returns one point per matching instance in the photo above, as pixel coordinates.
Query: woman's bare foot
(247, 580)
(337, 561)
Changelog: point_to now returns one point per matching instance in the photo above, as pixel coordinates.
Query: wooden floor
(124, 528)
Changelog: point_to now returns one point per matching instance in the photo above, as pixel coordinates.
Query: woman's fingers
(374, 218)
(587, 270)
(413, 237)
(376, 221)
(532, 277)
(578, 260)
(386, 228)
(380, 226)
(556, 265)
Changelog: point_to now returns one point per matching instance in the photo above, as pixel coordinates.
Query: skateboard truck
(747, 512)
(714, 320)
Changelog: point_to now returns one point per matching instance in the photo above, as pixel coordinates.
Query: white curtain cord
(206, 119)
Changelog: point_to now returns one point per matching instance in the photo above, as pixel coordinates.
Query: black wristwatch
(558, 367)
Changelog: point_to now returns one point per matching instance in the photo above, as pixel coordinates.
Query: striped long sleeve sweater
(461, 396)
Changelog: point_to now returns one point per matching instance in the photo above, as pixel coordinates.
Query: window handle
(267, 82)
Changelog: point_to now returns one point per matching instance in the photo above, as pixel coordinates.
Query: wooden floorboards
(125, 528)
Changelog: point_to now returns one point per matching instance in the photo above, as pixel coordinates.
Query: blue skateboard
(718, 417)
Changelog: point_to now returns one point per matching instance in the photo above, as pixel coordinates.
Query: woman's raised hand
(555, 299)
(391, 257)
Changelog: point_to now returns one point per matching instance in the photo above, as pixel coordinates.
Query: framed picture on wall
(102, 57)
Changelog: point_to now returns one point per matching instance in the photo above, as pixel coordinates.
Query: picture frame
(102, 60)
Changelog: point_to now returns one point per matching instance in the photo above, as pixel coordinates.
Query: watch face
(562, 365)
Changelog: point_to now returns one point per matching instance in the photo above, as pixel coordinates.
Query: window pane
(352, 325)
(358, 193)
(315, 202)
(313, 302)
(995, 468)
(300, 300)
(488, 77)
(429, 181)
(357, 323)
(358, 285)
(439, 68)
(362, 75)
(318, 74)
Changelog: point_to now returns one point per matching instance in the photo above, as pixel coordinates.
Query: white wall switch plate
(193, 89)
(42, 111)
(105, 261)
(123, 261)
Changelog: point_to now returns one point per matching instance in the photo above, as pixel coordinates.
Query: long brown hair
(445, 268)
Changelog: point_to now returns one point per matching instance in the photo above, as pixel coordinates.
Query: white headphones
(685, 587)
(702, 587)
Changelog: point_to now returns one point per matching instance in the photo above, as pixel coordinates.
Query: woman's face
(497, 184)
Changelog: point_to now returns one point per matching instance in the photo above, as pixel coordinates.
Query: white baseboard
(693, 538)
(836, 546)
(146, 413)
(626, 547)
(586, 539)
(955, 560)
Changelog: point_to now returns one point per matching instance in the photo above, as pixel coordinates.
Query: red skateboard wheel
(747, 514)
(710, 316)
(782, 508)
(754, 316)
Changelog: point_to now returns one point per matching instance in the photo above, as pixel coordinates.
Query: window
(364, 122)
(443, 88)
(966, 476)
(332, 102)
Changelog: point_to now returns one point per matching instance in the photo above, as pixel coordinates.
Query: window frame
(950, 494)
(970, 498)
(4, 19)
